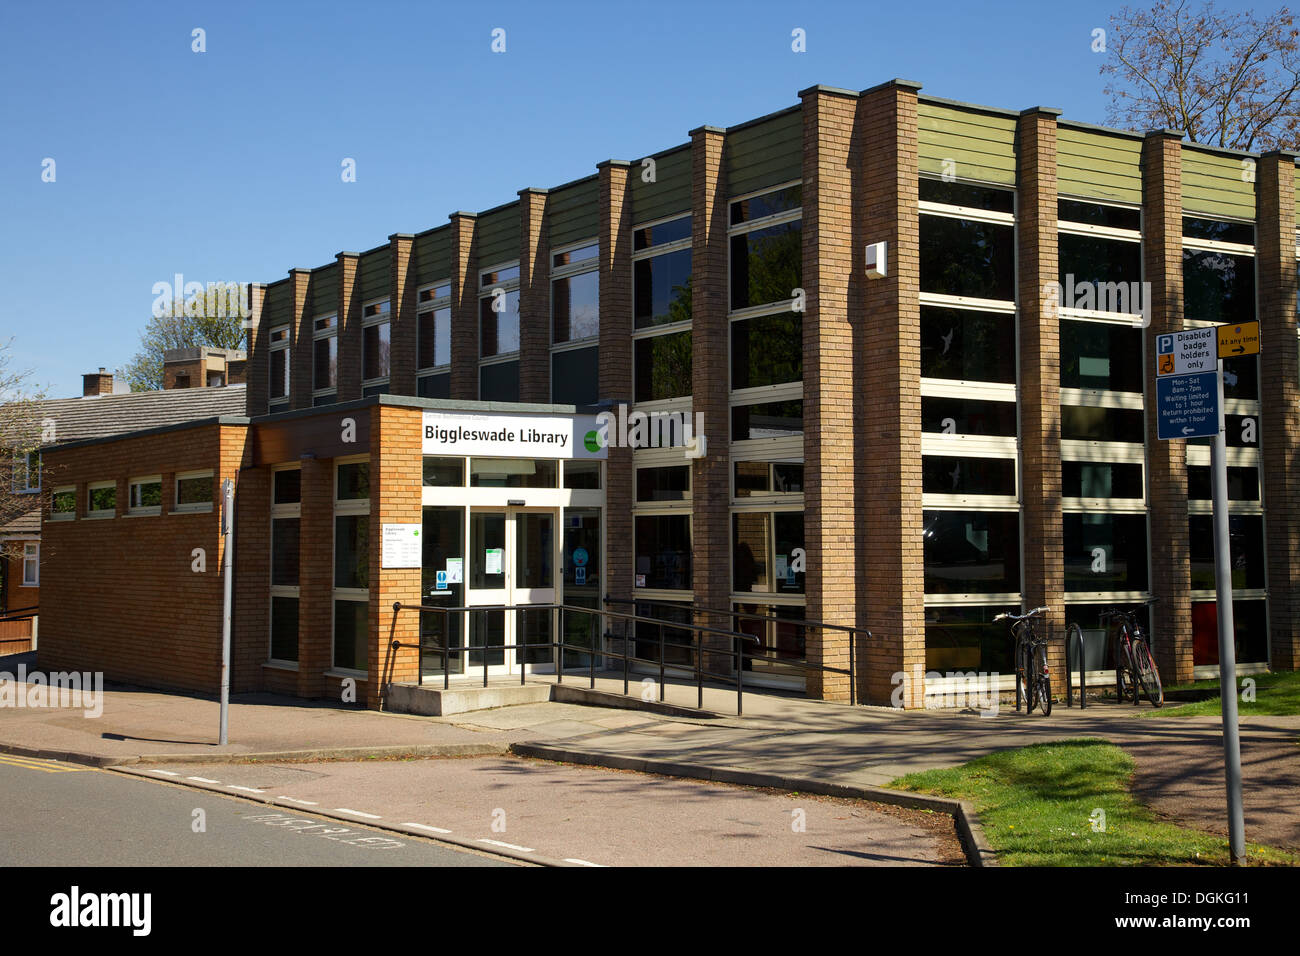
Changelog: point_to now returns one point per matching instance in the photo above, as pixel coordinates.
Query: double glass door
(512, 559)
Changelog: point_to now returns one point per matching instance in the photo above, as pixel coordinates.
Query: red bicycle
(1135, 667)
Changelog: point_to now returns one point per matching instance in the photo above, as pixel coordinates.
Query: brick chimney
(97, 383)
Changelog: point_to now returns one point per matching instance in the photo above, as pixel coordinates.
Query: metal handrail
(754, 616)
(561, 646)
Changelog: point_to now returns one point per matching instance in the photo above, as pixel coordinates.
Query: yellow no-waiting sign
(1241, 339)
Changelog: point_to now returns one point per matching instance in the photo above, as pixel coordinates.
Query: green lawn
(1276, 695)
(1037, 805)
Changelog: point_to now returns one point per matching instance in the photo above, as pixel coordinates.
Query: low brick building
(963, 427)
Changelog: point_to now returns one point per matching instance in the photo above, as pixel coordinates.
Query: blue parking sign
(1187, 406)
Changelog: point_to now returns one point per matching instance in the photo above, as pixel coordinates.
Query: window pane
(513, 473)
(1243, 483)
(768, 204)
(1102, 275)
(1113, 217)
(1241, 378)
(663, 366)
(1246, 550)
(194, 491)
(749, 562)
(1086, 423)
(972, 552)
(581, 474)
(1239, 232)
(968, 346)
(966, 639)
(279, 373)
(575, 307)
(1249, 626)
(664, 232)
(351, 551)
(499, 330)
(506, 274)
(353, 481)
(351, 624)
(767, 420)
(433, 386)
(663, 484)
(964, 194)
(663, 551)
(1098, 479)
(574, 256)
(284, 552)
(444, 472)
(967, 416)
(487, 534)
(284, 628)
(767, 350)
(968, 258)
(499, 382)
(956, 475)
(755, 478)
(435, 338)
(1218, 286)
(287, 487)
(575, 376)
(377, 345)
(787, 527)
(1105, 552)
(103, 499)
(327, 363)
(766, 265)
(146, 494)
(64, 502)
(1101, 356)
(661, 289)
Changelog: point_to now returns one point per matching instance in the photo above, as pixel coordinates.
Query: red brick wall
(404, 329)
(350, 372)
(120, 594)
(464, 307)
(534, 298)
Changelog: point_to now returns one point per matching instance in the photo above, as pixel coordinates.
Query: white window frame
(383, 315)
(281, 510)
(486, 292)
(280, 352)
(581, 267)
(765, 500)
(345, 507)
(134, 510)
(63, 515)
(753, 225)
(317, 335)
(432, 304)
(102, 513)
(22, 464)
(32, 555)
(193, 507)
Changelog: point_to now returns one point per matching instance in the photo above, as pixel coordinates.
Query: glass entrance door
(512, 560)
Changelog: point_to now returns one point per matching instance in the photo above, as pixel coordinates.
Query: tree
(20, 437)
(1226, 79)
(145, 370)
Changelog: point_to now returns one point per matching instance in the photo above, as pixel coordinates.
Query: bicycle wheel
(1042, 680)
(1147, 674)
(1121, 654)
(1024, 679)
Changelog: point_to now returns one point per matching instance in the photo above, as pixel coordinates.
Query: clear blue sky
(225, 165)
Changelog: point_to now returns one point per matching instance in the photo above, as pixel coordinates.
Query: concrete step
(433, 701)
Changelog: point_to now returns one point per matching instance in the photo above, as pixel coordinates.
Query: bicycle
(1031, 660)
(1135, 667)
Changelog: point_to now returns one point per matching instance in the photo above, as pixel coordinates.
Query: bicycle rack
(1083, 670)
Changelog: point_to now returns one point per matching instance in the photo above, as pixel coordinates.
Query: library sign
(452, 434)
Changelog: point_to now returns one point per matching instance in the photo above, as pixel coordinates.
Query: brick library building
(890, 424)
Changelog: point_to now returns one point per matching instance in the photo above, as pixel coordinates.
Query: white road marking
(583, 862)
(308, 803)
(165, 773)
(249, 789)
(202, 779)
(357, 813)
(508, 846)
(425, 826)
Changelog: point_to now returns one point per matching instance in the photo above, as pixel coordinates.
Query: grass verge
(1274, 695)
(1039, 806)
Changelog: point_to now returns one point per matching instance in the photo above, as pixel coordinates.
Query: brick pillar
(831, 170)
(1162, 259)
(349, 328)
(257, 343)
(300, 357)
(404, 324)
(1041, 528)
(1275, 242)
(396, 477)
(616, 375)
(251, 621)
(464, 307)
(534, 298)
(710, 382)
(887, 399)
(315, 576)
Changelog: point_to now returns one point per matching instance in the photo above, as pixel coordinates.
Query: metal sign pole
(1227, 651)
(227, 561)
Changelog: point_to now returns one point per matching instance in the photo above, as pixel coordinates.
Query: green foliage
(144, 372)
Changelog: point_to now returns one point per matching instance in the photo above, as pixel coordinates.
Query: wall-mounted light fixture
(877, 260)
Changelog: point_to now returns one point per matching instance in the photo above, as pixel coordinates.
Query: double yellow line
(35, 763)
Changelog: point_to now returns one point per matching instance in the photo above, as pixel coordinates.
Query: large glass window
(663, 551)
(1246, 551)
(963, 638)
(767, 420)
(279, 351)
(962, 416)
(768, 552)
(325, 354)
(1101, 355)
(972, 552)
(1105, 552)
(953, 475)
(575, 307)
(671, 483)
(663, 366)
(499, 324)
(966, 345)
(969, 258)
(575, 319)
(767, 350)
(376, 343)
(1218, 270)
(766, 265)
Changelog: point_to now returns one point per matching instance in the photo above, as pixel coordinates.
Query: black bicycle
(1032, 675)
(1135, 667)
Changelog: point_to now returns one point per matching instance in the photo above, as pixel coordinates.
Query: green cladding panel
(981, 146)
(669, 194)
(373, 273)
(323, 290)
(277, 303)
(1096, 165)
(765, 153)
(1218, 185)
(432, 254)
(498, 236)
(573, 212)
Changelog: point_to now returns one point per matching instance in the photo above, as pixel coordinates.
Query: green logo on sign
(592, 441)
